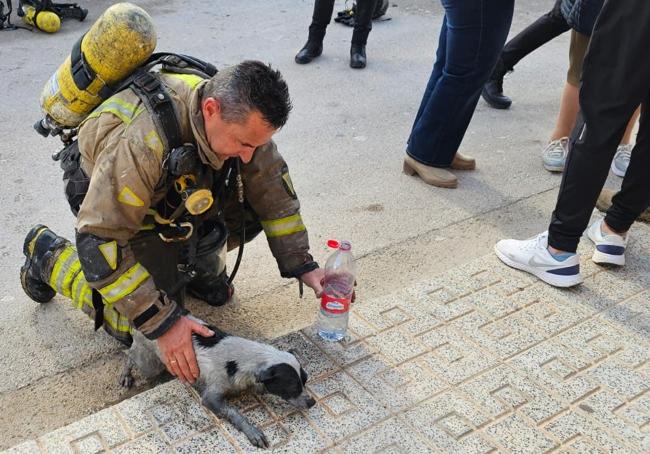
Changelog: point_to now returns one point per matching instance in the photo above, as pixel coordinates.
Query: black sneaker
(38, 242)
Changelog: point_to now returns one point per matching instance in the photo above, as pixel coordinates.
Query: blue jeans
(471, 39)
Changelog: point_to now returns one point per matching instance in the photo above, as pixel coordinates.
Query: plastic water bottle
(338, 287)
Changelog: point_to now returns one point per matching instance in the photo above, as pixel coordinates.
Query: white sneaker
(533, 257)
(622, 159)
(555, 153)
(610, 248)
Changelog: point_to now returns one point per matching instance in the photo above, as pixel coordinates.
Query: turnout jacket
(123, 155)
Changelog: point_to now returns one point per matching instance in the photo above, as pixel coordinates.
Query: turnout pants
(615, 80)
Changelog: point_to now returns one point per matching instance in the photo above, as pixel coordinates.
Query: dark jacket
(581, 15)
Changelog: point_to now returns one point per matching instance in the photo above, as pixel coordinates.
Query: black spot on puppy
(208, 342)
(282, 380)
(303, 376)
(231, 368)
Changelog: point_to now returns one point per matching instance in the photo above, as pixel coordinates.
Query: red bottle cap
(333, 244)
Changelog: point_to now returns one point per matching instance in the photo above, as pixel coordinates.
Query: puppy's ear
(303, 376)
(266, 374)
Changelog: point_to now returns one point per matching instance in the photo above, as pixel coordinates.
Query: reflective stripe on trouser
(68, 279)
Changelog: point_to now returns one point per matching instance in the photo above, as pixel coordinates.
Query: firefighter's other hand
(314, 280)
(177, 350)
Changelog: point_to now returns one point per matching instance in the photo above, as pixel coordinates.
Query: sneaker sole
(553, 168)
(603, 258)
(552, 279)
(616, 171)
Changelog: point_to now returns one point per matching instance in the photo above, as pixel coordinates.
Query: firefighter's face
(227, 139)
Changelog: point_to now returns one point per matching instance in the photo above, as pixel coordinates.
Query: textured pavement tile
(556, 367)
(452, 357)
(397, 387)
(292, 434)
(623, 381)
(480, 359)
(505, 336)
(212, 440)
(136, 411)
(103, 426)
(344, 407)
(552, 317)
(633, 314)
(501, 391)
(311, 358)
(28, 447)
(343, 352)
(489, 301)
(150, 443)
(607, 409)
(396, 345)
(580, 432)
(389, 436)
(606, 289)
(385, 312)
(449, 422)
(593, 339)
(518, 436)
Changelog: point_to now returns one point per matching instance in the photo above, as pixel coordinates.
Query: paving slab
(502, 362)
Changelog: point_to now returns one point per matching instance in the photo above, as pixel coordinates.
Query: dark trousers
(471, 38)
(544, 29)
(615, 80)
(362, 21)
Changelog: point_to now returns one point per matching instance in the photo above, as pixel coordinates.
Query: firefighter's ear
(211, 107)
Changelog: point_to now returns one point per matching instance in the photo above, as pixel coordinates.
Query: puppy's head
(286, 379)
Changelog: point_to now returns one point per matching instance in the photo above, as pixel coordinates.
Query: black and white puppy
(228, 365)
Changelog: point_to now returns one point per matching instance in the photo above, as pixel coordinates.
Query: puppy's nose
(311, 402)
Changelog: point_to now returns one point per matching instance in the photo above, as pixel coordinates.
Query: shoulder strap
(159, 104)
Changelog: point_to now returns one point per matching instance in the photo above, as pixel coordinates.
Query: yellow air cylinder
(119, 41)
(46, 21)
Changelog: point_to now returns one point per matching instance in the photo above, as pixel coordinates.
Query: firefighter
(154, 222)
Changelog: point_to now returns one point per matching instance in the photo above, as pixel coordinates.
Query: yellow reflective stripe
(60, 261)
(78, 288)
(75, 268)
(125, 284)
(283, 226)
(190, 79)
(121, 109)
(115, 320)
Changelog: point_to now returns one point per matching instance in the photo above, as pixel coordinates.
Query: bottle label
(334, 305)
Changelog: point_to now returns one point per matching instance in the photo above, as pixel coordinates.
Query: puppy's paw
(126, 380)
(257, 437)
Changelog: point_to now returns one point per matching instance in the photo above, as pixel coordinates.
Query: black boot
(311, 50)
(493, 88)
(39, 245)
(357, 56)
(212, 288)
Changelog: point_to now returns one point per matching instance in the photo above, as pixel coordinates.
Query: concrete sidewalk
(480, 359)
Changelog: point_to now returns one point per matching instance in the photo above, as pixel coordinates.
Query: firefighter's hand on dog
(178, 351)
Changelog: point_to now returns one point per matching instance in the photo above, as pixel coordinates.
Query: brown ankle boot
(461, 162)
(430, 175)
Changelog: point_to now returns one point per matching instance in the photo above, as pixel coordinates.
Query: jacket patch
(109, 251)
(128, 197)
(153, 142)
(288, 184)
